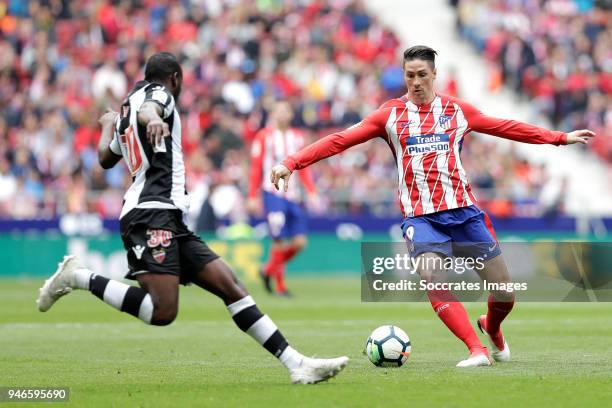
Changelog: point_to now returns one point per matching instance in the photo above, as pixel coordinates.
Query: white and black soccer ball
(388, 346)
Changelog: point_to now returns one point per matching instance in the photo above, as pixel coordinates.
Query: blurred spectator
(553, 197)
(109, 79)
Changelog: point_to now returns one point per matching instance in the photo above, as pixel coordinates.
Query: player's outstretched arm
(520, 131)
(369, 128)
(106, 156)
(149, 115)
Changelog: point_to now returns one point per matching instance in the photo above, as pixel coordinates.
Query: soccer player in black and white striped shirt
(162, 251)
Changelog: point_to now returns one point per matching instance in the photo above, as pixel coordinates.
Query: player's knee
(164, 315)
(503, 296)
(300, 242)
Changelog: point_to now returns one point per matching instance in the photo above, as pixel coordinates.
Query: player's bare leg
(500, 303)
(451, 311)
(218, 278)
(156, 302)
(164, 292)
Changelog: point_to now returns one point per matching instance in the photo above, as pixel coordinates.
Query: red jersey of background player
(270, 146)
(426, 141)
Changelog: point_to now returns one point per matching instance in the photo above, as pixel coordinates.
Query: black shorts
(158, 241)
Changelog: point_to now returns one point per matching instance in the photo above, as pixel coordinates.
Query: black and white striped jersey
(158, 171)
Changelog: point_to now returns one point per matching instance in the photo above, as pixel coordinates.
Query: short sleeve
(160, 95)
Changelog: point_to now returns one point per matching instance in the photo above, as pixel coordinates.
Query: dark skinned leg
(163, 289)
(217, 278)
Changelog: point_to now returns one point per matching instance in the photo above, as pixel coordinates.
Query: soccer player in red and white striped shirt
(284, 211)
(425, 132)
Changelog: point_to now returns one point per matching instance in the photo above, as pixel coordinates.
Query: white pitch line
(321, 322)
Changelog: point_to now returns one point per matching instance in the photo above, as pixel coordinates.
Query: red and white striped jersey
(270, 146)
(426, 141)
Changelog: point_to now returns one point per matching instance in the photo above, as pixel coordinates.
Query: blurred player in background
(162, 251)
(425, 132)
(284, 211)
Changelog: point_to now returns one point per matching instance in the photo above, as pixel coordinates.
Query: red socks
(276, 266)
(454, 316)
(495, 316)
(275, 262)
(289, 253)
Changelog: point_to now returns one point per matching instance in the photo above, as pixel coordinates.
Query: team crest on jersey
(445, 121)
(159, 255)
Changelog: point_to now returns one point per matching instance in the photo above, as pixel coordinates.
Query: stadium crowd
(63, 62)
(558, 53)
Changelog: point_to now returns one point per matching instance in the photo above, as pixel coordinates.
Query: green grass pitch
(562, 353)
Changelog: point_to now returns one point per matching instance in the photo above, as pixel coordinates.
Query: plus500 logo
(437, 142)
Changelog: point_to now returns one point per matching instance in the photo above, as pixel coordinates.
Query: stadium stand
(62, 63)
(556, 53)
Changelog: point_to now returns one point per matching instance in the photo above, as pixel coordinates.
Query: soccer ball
(388, 346)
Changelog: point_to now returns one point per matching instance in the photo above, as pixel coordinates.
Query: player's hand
(252, 206)
(280, 172)
(157, 129)
(579, 136)
(108, 117)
